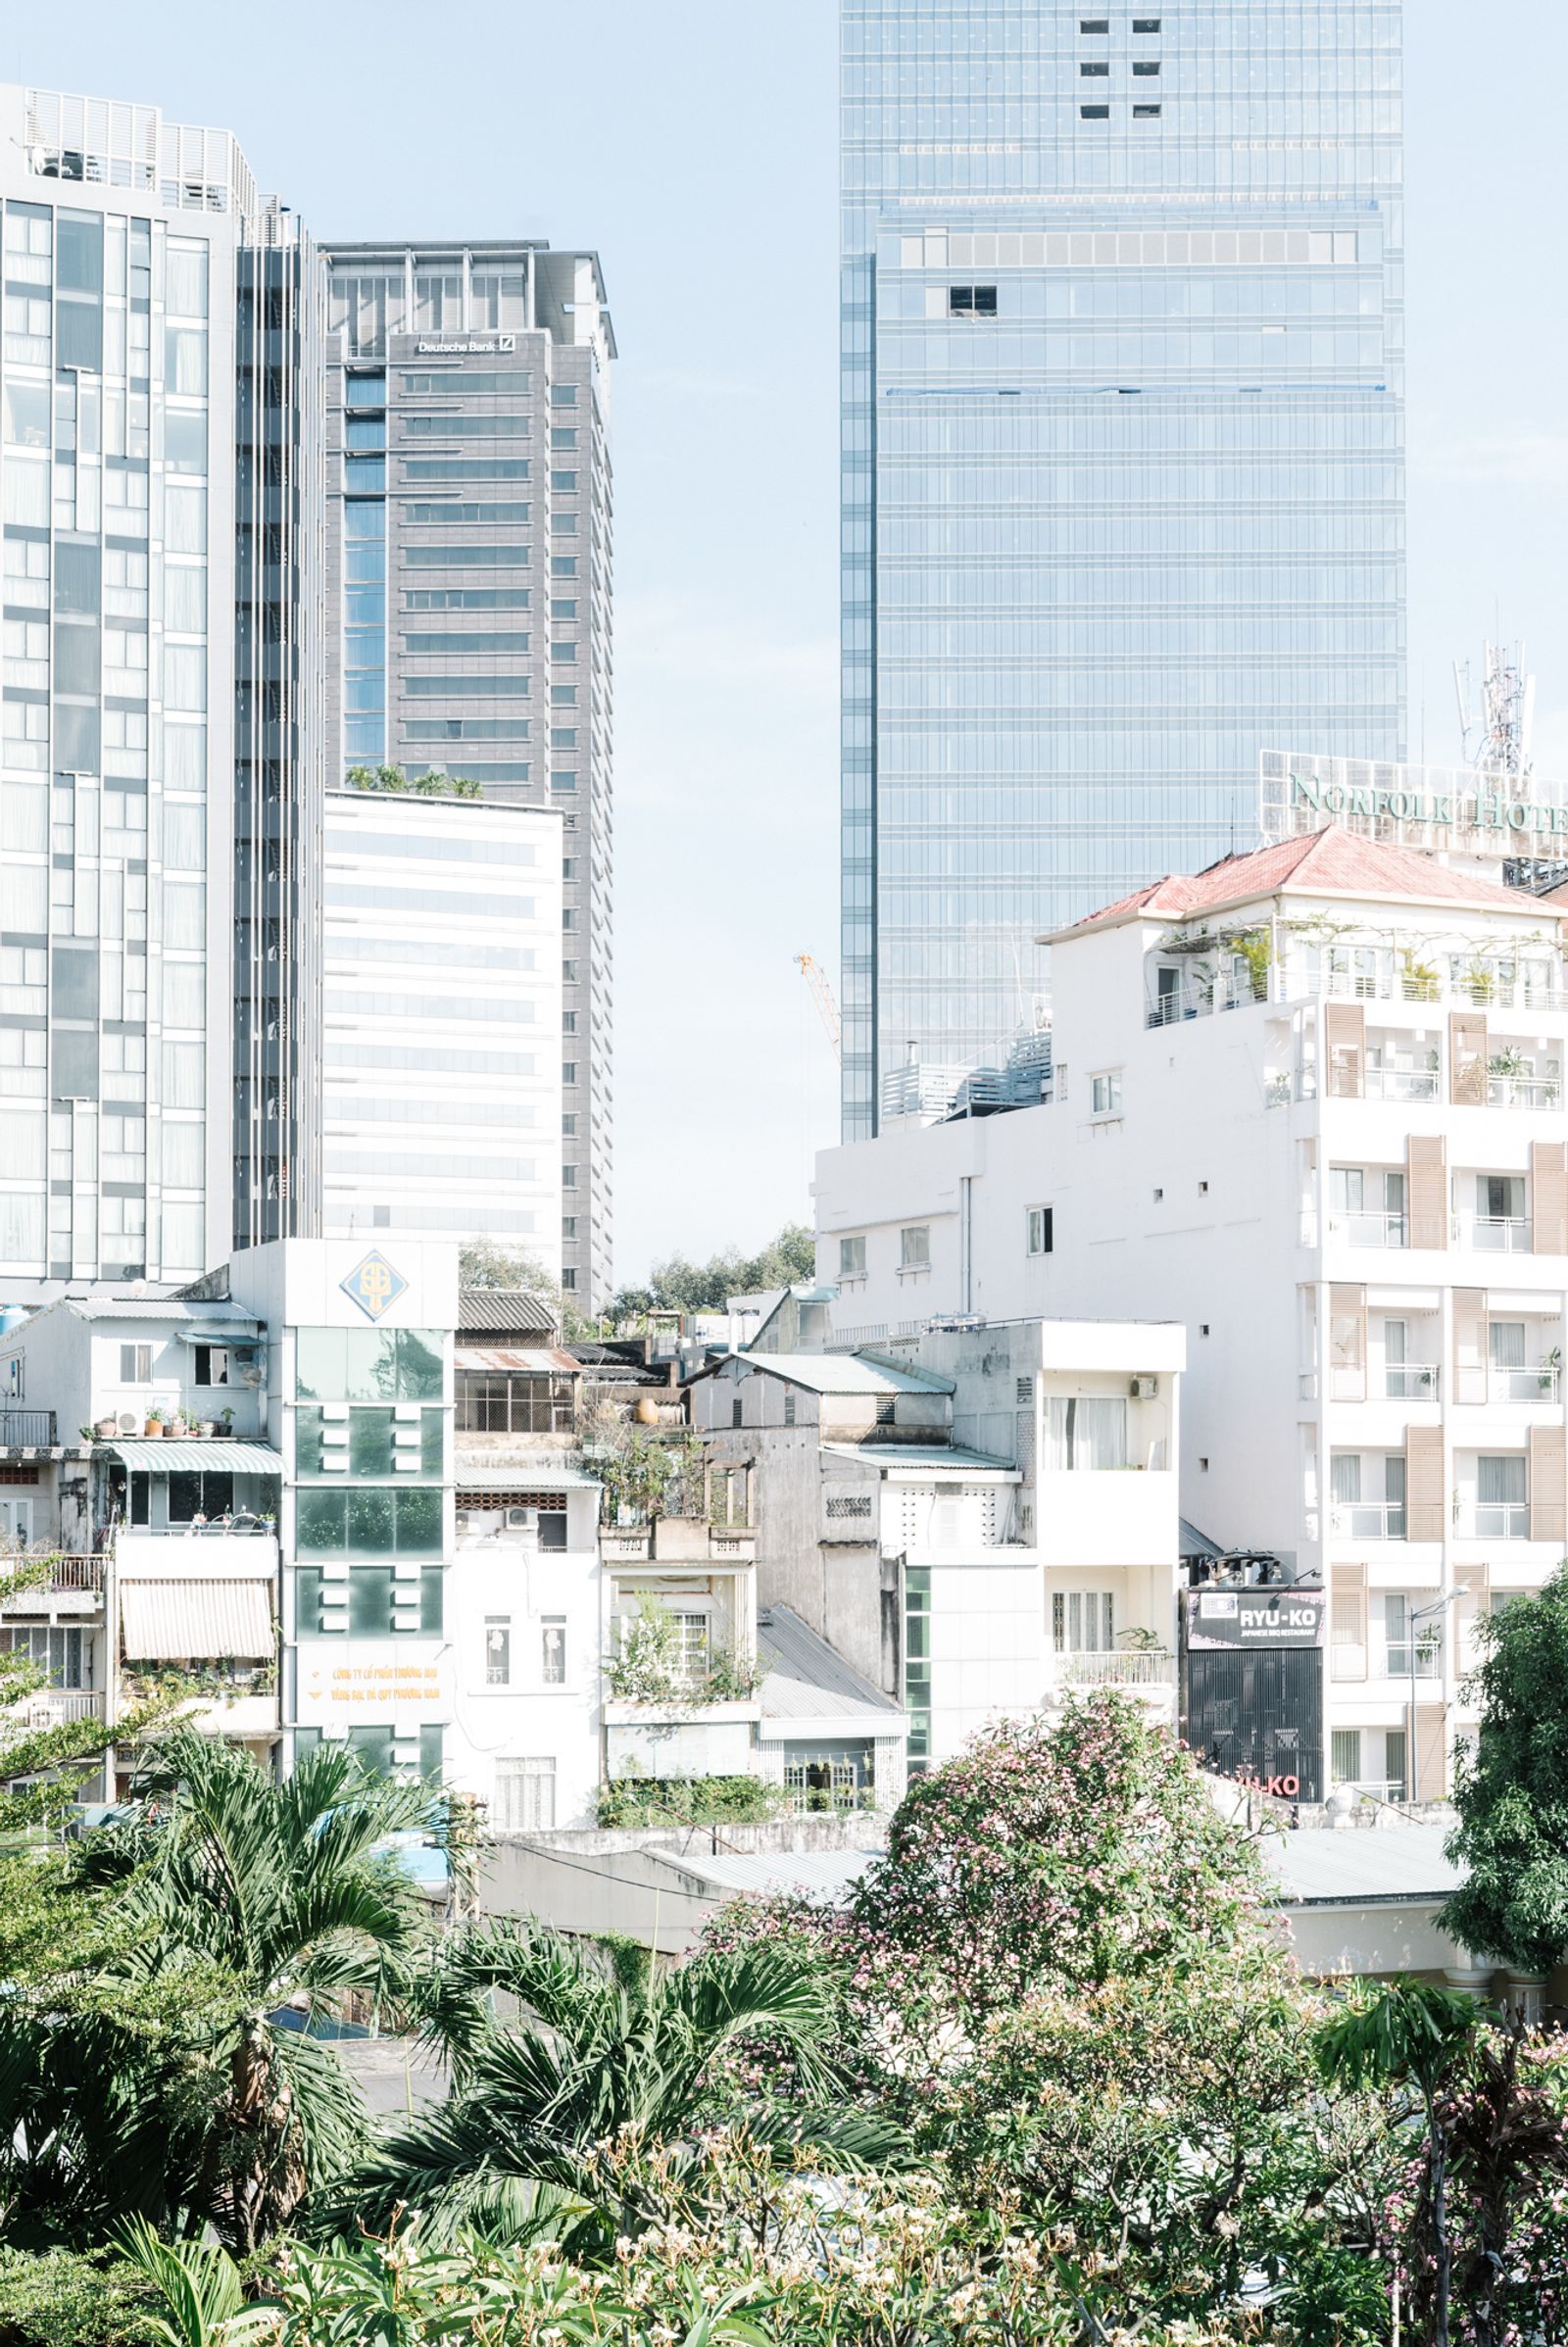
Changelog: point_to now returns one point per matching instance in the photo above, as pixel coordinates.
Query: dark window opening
(1094, 25)
(1146, 66)
(971, 301)
(1094, 114)
(1095, 72)
(1146, 114)
(1145, 23)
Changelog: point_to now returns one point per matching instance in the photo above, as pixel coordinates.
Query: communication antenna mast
(1499, 732)
(827, 1009)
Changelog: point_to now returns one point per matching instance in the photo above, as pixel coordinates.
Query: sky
(692, 145)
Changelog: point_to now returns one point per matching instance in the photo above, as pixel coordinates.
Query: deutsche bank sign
(1448, 808)
(486, 346)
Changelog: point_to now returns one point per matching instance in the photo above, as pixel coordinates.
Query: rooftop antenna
(1497, 730)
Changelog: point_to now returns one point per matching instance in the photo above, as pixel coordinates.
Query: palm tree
(590, 2059)
(244, 1901)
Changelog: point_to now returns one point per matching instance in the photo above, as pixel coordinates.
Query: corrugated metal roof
(156, 1307)
(198, 1621)
(806, 1680)
(540, 1361)
(1403, 1861)
(826, 1876)
(1193, 1543)
(158, 1454)
(926, 1458)
(546, 1476)
(506, 1310)
(845, 1373)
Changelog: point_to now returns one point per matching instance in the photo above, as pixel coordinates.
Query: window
(1145, 66)
(525, 1796)
(1151, 114)
(1094, 25)
(1095, 72)
(1105, 1093)
(1083, 1621)
(914, 1248)
(1086, 1432)
(213, 1365)
(1393, 1762)
(498, 1651)
(917, 1665)
(1039, 1230)
(1094, 114)
(737, 1412)
(1345, 1756)
(789, 1406)
(971, 301)
(852, 1259)
(1145, 23)
(553, 1649)
(135, 1364)
(887, 1411)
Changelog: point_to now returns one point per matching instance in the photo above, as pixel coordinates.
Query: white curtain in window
(182, 1075)
(1345, 1476)
(1507, 1344)
(21, 1230)
(182, 1152)
(1501, 1482)
(21, 1142)
(1088, 1432)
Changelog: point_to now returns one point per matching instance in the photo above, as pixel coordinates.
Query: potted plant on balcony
(203, 1430)
(107, 1429)
(174, 1426)
(153, 1424)
(226, 1420)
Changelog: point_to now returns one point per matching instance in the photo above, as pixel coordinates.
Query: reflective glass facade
(1123, 467)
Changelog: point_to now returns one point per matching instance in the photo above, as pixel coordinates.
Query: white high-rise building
(441, 1061)
(1310, 1104)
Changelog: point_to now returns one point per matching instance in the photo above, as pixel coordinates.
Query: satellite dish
(128, 1421)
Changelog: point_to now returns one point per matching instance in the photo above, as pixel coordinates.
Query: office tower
(1122, 421)
(440, 1052)
(469, 521)
(162, 532)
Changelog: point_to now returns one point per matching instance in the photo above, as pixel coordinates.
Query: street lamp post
(1423, 1613)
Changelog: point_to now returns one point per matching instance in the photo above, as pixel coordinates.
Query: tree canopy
(1512, 1789)
(678, 1285)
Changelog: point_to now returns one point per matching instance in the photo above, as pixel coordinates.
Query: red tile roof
(1333, 861)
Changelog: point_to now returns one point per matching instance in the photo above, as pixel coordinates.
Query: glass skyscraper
(1123, 467)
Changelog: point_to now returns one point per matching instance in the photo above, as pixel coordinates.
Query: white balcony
(1523, 1092)
(1538, 1382)
(1141, 1667)
(1400, 1084)
(60, 1706)
(1493, 1234)
(1411, 1381)
(1396, 1661)
(1367, 1520)
(1496, 1520)
(1367, 1230)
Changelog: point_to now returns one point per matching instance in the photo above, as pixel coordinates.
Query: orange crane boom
(816, 977)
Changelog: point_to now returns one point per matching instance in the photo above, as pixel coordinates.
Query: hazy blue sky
(694, 145)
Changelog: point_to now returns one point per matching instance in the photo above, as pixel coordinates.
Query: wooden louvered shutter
(1548, 1185)
(1430, 1772)
(1348, 1344)
(1346, 1042)
(1467, 1058)
(1469, 1345)
(1428, 1167)
(1548, 1484)
(1423, 1482)
(1348, 1622)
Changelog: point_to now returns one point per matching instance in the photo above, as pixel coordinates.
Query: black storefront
(1252, 1684)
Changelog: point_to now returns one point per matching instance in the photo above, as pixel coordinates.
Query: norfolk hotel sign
(1444, 809)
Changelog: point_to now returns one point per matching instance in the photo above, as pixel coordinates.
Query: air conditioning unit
(130, 1422)
(1145, 1389)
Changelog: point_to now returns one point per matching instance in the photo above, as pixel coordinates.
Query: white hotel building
(1309, 1104)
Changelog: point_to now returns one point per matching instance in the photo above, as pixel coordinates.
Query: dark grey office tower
(470, 528)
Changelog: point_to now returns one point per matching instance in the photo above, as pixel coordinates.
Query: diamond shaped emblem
(373, 1284)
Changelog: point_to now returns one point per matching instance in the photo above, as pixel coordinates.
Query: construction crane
(816, 977)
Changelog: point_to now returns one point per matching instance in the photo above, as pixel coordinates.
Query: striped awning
(154, 1454)
(197, 1621)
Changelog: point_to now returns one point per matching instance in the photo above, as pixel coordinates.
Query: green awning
(153, 1455)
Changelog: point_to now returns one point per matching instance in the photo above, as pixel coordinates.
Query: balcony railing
(1368, 1229)
(80, 1573)
(1498, 1520)
(1402, 1084)
(1523, 1092)
(1494, 1234)
(1411, 1381)
(60, 1706)
(27, 1429)
(1537, 1383)
(1367, 1520)
(1140, 1667)
(1425, 1656)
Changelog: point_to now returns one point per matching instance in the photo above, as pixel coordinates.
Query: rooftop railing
(27, 1429)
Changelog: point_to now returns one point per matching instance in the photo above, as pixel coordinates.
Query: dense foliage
(678, 1284)
(1048, 2079)
(1512, 1793)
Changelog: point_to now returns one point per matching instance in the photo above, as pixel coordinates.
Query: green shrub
(58, 2299)
(689, 1802)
